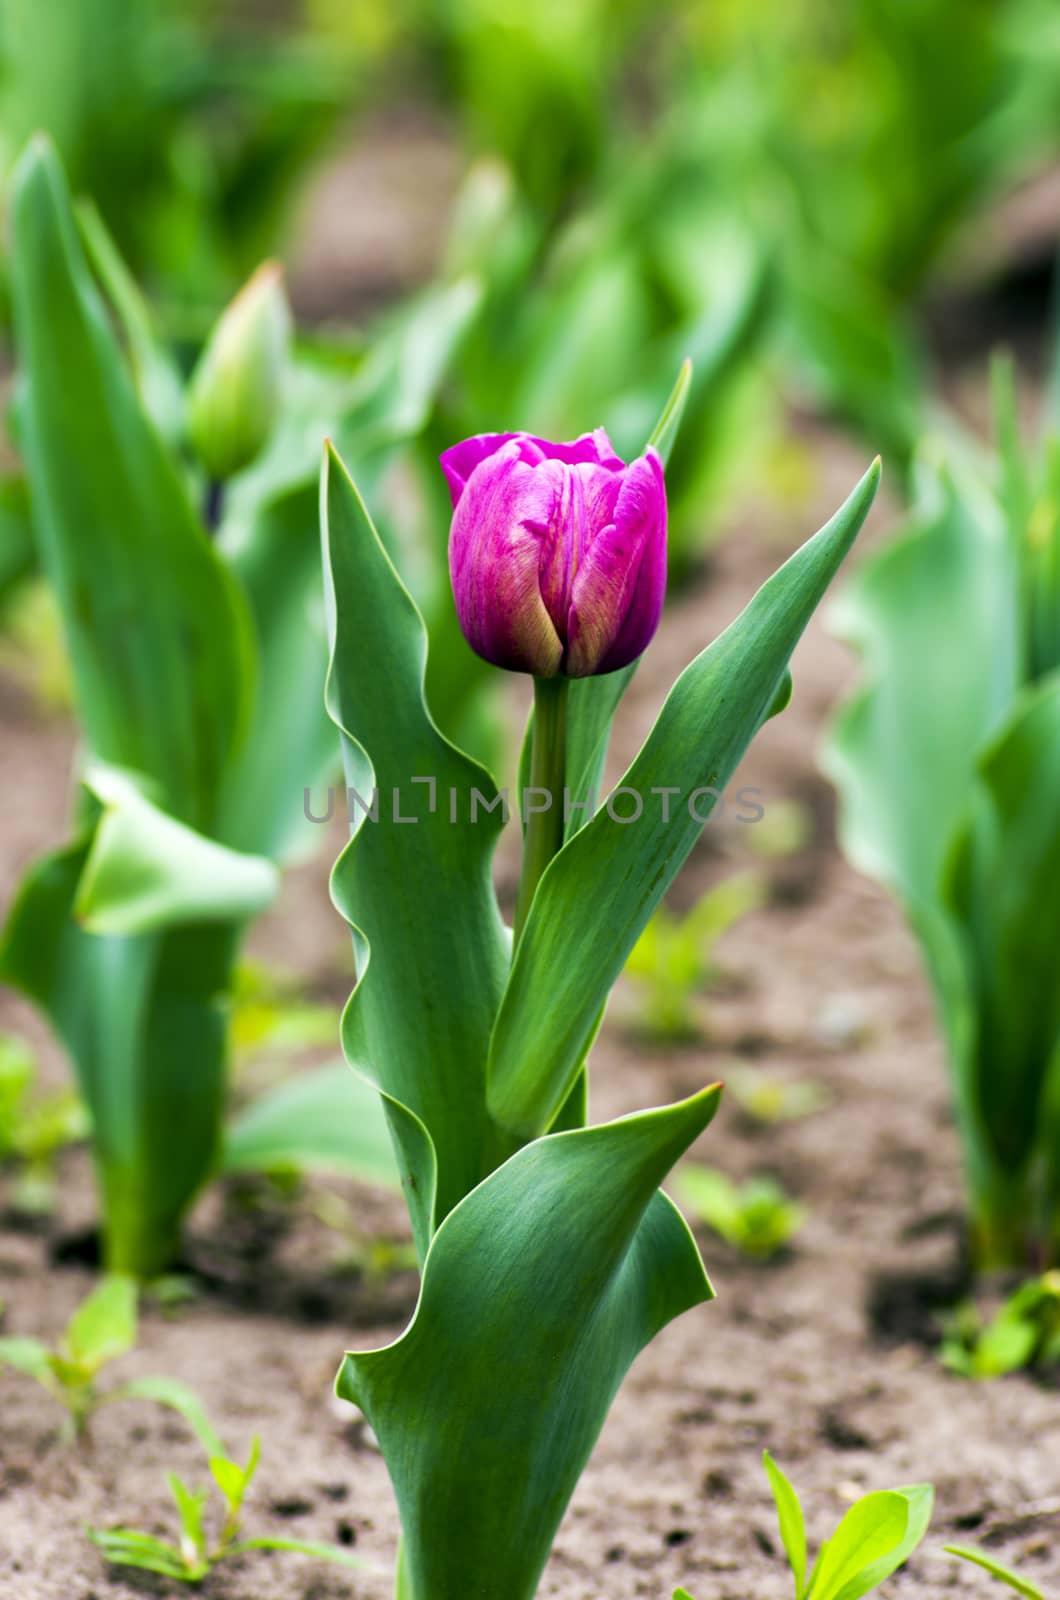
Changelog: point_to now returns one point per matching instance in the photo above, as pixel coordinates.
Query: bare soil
(824, 1356)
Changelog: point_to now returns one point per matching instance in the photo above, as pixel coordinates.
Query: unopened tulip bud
(236, 388)
(557, 552)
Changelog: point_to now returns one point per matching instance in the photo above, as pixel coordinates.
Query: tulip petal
(583, 502)
(617, 595)
(494, 559)
(592, 449)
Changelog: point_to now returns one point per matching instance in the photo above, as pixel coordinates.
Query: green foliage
(1023, 1332)
(102, 1328)
(194, 1555)
(549, 1256)
(757, 1217)
(951, 801)
(672, 960)
(33, 1128)
(198, 665)
(1012, 1580)
(875, 1537)
(190, 132)
(767, 1099)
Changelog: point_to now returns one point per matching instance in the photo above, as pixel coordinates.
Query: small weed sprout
(33, 1128)
(1005, 1575)
(672, 960)
(875, 1537)
(102, 1329)
(1024, 1332)
(756, 1217)
(194, 1555)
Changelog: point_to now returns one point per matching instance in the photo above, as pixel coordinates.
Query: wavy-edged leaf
(432, 951)
(326, 1120)
(599, 891)
(539, 1290)
(157, 631)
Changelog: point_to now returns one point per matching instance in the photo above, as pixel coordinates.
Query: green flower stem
(548, 768)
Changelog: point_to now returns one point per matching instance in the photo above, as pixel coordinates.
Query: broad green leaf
(920, 1500)
(1002, 885)
(1022, 1586)
(872, 1528)
(157, 632)
(902, 769)
(539, 1290)
(273, 547)
(147, 872)
(325, 1120)
(104, 1325)
(598, 893)
(178, 1397)
(792, 1526)
(28, 1356)
(143, 1021)
(432, 952)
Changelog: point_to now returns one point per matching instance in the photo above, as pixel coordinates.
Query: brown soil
(822, 1356)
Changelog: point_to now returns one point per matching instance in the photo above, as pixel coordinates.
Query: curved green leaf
(539, 1290)
(146, 872)
(157, 631)
(919, 1501)
(872, 1528)
(598, 893)
(902, 769)
(1020, 1585)
(326, 1120)
(432, 951)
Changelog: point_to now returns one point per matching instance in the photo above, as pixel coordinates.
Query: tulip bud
(236, 388)
(557, 552)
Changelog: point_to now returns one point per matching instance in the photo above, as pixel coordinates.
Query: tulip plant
(948, 767)
(189, 592)
(549, 1256)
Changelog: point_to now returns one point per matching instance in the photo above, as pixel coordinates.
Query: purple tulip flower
(557, 552)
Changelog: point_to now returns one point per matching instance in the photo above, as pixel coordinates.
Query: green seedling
(1025, 1332)
(672, 962)
(756, 1217)
(766, 1098)
(195, 1554)
(1005, 1575)
(878, 1534)
(33, 1129)
(102, 1329)
(374, 1258)
(270, 1015)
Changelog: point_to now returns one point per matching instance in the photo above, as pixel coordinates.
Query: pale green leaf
(792, 1526)
(325, 1120)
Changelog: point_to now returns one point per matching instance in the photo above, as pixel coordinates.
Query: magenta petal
(618, 591)
(460, 460)
(494, 558)
(592, 449)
